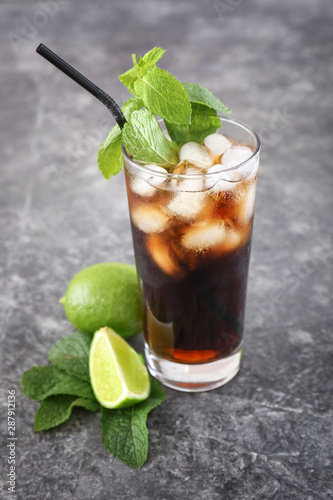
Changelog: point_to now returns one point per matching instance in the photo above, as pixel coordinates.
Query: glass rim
(169, 175)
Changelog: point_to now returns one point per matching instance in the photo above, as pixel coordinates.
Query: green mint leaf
(163, 95)
(151, 58)
(110, 158)
(129, 78)
(144, 140)
(204, 122)
(72, 354)
(57, 409)
(124, 432)
(133, 104)
(43, 381)
(201, 95)
(141, 67)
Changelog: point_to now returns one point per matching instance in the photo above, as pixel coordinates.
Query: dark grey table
(268, 433)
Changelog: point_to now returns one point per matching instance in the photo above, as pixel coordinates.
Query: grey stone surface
(268, 433)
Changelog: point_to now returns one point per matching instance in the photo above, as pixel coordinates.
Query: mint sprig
(189, 112)
(65, 384)
(161, 93)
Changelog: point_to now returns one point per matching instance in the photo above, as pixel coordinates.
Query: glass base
(193, 378)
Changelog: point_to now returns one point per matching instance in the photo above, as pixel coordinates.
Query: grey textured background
(268, 433)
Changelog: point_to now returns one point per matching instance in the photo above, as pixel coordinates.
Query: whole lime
(105, 294)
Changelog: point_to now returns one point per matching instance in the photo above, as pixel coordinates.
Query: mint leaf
(57, 409)
(204, 122)
(141, 67)
(41, 382)
(133, 104)
(201, 95)
(163, 95)
(129, 78)
(144, 140)
(110, 158)
(72, 354)
(151, 58)
(124, 432)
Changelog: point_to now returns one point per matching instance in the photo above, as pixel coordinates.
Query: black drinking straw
(102, 96)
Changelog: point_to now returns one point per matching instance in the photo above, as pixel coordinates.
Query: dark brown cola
(192, 251)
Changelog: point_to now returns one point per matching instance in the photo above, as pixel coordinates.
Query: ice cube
(222, 180)
(144, 184)
(195, 182)
(200, 237)
(212, 235)
(252, 169)
(217, 143)
(245, 207)
(157, 180)
(186, 204)
(236, 155)
(149, 219)
(142, 188)
(163, 255)
(231, 241)
(157, 168)
(196, 154)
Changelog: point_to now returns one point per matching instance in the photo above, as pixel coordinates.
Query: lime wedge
(118, 377)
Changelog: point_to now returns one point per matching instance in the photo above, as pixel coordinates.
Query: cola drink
(192, 230)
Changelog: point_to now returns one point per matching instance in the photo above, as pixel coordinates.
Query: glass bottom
(193, 378)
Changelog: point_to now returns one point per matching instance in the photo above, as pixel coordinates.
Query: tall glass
(192, 239)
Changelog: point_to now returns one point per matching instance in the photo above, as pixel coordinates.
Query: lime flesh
(118, 377)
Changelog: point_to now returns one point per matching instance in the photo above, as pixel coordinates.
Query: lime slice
(118, 377)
